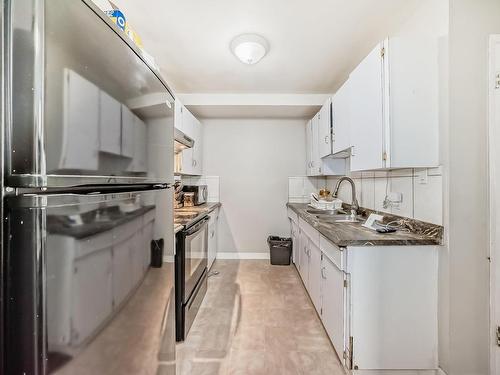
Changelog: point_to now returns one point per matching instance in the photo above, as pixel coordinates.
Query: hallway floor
(256, 319)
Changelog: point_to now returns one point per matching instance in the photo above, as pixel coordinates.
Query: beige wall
(253, 158)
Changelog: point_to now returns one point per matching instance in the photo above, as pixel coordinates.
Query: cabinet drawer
(332, 252)
(292, 215)
(94, 243)
(126, 230)
(310, 232)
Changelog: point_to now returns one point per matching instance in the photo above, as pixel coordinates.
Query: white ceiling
(314, 43)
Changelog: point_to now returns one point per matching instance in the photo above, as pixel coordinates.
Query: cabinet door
(295, 242)
(304, 258)
(127, 134)
(197, 162)
(212, 243)
(413, 97)
(316, 160)
(314, 285)
(366, 113)
(122, 269)
(80, 148)
(187, 122)
(325, 130)
(178, 115)
(139, 160)
(309, 148)
(92, 287)
(333, 304)
(188, 155)
(136, 258)
(341, 122)
(109, 124)
(147, 237)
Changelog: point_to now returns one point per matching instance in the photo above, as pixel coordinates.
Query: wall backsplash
(212, 182)
(421, 191)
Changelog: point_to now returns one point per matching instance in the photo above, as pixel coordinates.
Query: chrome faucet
(354, 204)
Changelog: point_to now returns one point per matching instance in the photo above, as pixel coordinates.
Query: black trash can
(157, 253)
(281, 250)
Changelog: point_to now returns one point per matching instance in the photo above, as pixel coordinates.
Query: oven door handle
(197, 227)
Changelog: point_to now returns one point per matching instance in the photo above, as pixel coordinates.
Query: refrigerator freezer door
(85, 107)
(81, 293)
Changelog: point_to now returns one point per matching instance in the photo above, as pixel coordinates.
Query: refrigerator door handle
(94, 189)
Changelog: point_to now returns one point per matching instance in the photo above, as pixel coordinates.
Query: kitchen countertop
(200, 211)
(202, 208)
(353, 234)
(59, 224)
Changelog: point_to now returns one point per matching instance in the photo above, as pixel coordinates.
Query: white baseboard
(243, 256)
(394, 372)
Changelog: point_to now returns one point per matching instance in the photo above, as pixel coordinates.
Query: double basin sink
(334, 216)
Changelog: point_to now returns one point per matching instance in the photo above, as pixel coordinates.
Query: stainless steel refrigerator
(87, 169)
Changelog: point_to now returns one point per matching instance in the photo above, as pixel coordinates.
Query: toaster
(200, 193)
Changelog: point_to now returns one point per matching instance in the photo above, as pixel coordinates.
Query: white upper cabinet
(179, 109)
(341, 119)
(139, 159)
(316, 160)
(197, 151)
(81, 124)
(127, 139)
(320, 149)
(366, 113)
(325, 129)
(309, 146)
(394, 106)
(412, 101)
(192, 158)
(109, 124)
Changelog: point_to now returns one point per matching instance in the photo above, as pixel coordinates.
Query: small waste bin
(157, 253)
(281, 250)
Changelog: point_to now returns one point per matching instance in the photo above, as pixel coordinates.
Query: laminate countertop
(60, 224)
(202, 208)
(354, 234)
(185, 216)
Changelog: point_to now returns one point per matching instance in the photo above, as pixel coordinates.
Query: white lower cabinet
(333, 303)
(112, 262)
(314, 285)
(122, 269)
(295, 240)
(90, 309)
(213, 236)
(378, 304)
(303, 258)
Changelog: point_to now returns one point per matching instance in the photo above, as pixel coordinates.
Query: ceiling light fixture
(249, 48)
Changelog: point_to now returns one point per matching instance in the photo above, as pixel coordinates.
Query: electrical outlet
(393, 200)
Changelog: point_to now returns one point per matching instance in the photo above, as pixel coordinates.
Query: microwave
(200, 193)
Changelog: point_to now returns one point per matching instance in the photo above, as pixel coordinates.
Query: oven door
(196, 253)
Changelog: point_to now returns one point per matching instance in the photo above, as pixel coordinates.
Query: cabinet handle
(323, 275)
(326, 139)
(212, 234)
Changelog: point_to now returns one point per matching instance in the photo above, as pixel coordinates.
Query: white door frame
(493, 177)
